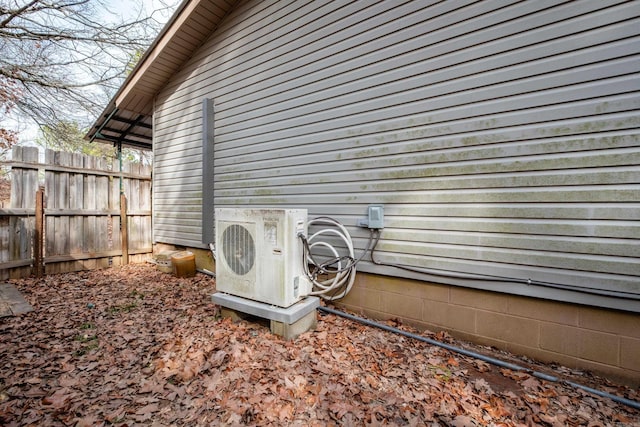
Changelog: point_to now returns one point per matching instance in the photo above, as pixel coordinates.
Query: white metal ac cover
(260, 254)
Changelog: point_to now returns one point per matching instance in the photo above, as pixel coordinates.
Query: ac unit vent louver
(239, 249)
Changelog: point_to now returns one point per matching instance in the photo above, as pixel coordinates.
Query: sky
(124, 8)
(129, 8)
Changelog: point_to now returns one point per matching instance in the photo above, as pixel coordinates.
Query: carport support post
(124, 233)
(38, 244)
(124, 223)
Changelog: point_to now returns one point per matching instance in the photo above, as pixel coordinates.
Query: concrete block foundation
(604, 341)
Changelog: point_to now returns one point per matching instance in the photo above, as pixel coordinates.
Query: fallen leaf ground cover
(135, 346)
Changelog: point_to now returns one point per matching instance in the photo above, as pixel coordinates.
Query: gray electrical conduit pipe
(488, 359)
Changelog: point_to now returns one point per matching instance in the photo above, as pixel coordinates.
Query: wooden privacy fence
(73, 221)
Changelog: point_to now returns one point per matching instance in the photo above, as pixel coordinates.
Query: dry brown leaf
(531, 383)
(89, 421)
(463, 421)
(58, 400)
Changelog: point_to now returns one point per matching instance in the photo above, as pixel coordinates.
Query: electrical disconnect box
(374, 219)
(376, 216)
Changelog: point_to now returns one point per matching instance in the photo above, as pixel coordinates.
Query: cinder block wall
(604, 341)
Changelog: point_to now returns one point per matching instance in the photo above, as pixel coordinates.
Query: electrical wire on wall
(340, 270)
(492, 278)
(333, 278)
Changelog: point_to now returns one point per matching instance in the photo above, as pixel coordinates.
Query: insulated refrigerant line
(488, 359)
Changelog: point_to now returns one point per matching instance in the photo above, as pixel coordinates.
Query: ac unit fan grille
(239, 249)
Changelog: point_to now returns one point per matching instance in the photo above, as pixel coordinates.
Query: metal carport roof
(127, 119)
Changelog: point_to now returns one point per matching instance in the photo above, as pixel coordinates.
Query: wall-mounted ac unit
(259, 254)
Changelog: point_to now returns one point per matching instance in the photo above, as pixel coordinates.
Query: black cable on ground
(488, 359)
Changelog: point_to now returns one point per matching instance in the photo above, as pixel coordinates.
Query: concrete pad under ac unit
(287, 322)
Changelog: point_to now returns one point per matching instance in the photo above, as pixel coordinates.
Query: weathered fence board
(81, 212)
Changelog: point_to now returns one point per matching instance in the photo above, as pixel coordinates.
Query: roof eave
(135, 96)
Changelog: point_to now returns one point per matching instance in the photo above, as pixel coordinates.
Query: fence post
(124, 229)
(38, 244)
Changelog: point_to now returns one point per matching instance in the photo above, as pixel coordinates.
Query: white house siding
(502, 137)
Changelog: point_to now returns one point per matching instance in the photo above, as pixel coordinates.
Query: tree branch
(61, 58)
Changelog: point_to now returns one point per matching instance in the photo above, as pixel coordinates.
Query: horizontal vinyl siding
(501, 136)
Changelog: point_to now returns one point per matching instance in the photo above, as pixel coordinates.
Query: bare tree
(62, 60)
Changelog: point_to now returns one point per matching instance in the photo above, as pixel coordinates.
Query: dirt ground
(135, 346)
